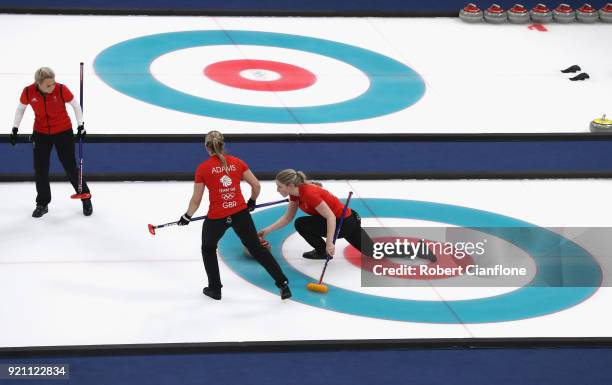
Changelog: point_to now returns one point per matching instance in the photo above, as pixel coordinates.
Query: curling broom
(321, 287)
(81, 194)
(152, 228)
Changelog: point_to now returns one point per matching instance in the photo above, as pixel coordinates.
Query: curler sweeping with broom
(52, 127)
(324, 211)
(221, 174)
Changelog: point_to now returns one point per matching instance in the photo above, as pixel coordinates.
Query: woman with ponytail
(221, 174)
(324, 211)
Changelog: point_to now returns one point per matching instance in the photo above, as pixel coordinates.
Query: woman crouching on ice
(324, 211)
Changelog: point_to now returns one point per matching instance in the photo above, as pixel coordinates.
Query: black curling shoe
(214, 294)
(581, 76)
(87, 207)
(285, 292)
(571, 69)
(39, 211)
(314, 254)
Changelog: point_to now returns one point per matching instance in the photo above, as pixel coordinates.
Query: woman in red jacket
(324, 211)
(52, 127)
(221, 174)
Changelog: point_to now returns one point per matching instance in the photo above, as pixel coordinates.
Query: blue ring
(529, 301)
(393, 85)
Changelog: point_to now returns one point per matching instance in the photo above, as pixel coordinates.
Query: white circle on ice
(183, 70)
(260, 75)
(341, 273)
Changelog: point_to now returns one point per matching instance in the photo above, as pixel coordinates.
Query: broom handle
(336, 234)
(80, 185)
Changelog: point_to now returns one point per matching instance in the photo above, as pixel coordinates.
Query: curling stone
(564, 14)
(263, 242)
(495, 14)
(541, 14)
(518, 14)
(605, 13)
(471, 14)
(601, 125)
(587, 14)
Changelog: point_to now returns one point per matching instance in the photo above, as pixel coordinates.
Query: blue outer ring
(393, 85)
(532, 300)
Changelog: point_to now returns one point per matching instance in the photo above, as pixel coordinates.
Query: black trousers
(242, 223)
(314, 227)
(64, 145)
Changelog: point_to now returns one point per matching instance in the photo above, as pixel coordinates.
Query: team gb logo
(226, 181)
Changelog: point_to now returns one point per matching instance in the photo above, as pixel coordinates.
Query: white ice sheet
(479, 78)
(70, 280)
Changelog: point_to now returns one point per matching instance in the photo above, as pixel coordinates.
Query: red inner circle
(291, 77)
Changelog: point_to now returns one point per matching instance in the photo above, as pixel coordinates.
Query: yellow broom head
(319, 288)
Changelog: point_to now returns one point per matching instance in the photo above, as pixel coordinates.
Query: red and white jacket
(50, 115)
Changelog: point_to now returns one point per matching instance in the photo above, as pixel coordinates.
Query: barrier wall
(329, 157)
(265, 7)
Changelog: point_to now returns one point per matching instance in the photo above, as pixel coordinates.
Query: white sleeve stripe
(19, 114)
(77, 111)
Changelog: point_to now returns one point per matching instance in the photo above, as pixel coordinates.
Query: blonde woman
(324, 211)
(221, 174)
(52, 127)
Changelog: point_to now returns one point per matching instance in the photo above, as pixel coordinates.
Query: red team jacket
(312, 195)
(224, 192)
(50, 115)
